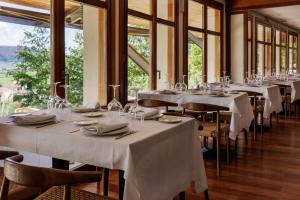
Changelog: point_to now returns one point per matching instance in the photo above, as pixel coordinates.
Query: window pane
(283, 38)
(277, 60)
(290, 59)
(139, 55)
(213, 58)
(195, 18)
(24, 59)
(260, 32)
(249, 28)
(283, 59)
(268, 60)
(268, 37)
(165, 56)
(290, 40)
(260, 58)
(166, 9)
(278, 37)
(195, 58)
(213, 19)
(295, 42)
(294, 60)
(249, 57)
(143, 6)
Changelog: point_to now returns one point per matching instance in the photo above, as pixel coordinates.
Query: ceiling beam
(242, 5)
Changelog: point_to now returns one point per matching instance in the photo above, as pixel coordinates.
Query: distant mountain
(8, 53)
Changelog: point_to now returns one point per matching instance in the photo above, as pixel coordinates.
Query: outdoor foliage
(33, 68)
(195, 65)
(137, 78)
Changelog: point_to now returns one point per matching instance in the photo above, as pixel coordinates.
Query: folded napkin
(166, 92)
(34, 118)
(89, 107)
(101, 129)
(148, 113)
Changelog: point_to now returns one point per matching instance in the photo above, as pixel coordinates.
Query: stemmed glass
(181, 86)
(114, 104)
(54, 99)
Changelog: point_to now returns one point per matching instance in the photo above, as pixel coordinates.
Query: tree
(195, 65)
(33, 68)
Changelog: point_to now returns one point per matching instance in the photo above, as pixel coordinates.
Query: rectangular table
(273, 99)
(238, 104)
(293, 84)
(158, 161)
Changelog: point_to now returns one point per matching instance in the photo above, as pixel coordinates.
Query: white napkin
(89, 107)
(101, 129)
(149, 112)
(34, 118)
(166, 92)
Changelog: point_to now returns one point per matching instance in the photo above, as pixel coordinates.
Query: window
(151, 34)
(280, 51)
(264, 49)
(86, 52)
(293, 53)
(204, 35)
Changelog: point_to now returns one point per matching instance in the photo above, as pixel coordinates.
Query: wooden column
(58, 43)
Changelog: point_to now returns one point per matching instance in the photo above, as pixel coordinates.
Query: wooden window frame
(281, 46)
(154, 20)
(206, 32)
(248, 18)
(295, 35)
(264, 43)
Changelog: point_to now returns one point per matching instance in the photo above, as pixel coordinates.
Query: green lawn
(5, 79)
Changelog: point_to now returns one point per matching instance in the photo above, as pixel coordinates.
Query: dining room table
(159, 160)
(238, 104)
(270, 93)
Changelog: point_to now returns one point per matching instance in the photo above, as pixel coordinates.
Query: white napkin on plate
(148, 113)
(89, 107)
(101, 129)
(34, 118)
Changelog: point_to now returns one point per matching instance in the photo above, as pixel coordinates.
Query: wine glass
(181, 86)
(114, 104)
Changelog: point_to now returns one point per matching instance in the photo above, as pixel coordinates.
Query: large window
(203, 57)
(293, 52)
(151, 44)
(280, 51)
(264, 49)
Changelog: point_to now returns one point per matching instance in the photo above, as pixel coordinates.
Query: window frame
(280, 46)
(294, 35)
(205, 32)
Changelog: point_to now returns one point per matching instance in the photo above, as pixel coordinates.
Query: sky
(11, 34)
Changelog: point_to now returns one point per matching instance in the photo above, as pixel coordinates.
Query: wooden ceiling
(241, 5)
(42, 4)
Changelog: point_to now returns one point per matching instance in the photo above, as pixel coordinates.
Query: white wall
(237, 48)
(91, 54)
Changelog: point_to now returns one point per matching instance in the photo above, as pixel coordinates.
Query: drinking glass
(181, 86)
(114, 104)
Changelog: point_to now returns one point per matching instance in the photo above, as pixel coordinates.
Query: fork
(125, 134)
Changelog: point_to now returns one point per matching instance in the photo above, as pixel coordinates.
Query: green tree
(33, 68)
(195, 65)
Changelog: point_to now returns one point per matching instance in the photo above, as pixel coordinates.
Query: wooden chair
(212, 129)
(59, 181)
(152, 103)
(258, 109)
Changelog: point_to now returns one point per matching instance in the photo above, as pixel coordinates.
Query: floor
(268, 168)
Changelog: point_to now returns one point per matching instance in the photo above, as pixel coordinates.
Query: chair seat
(209, 129)
(56, 193)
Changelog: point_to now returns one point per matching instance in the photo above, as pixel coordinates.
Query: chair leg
(236, 146)
(67, 192)
(246, 135)
(121, 184)
(228, 150)
(206, 197)
(261, 123)
(182, 195)
(254, 126)
(218, 156)
(4, 189)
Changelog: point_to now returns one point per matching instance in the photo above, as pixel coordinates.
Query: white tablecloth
(270, 93)
(238, 104)
(295, 87)
(159, 161)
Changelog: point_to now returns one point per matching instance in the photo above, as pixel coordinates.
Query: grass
(5, 79)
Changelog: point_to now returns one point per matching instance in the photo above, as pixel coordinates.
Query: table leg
(206, 195)
(182, 195)
(121, 184)
(105, 181)
(60, 164)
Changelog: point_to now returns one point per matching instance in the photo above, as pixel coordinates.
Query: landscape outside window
(25, 65)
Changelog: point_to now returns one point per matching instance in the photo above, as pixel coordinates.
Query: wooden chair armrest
(6, 154)
(31, 176)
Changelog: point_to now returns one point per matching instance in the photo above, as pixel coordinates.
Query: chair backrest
(31, 176)
(250, 93)
(202, 107)
(152, 103)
